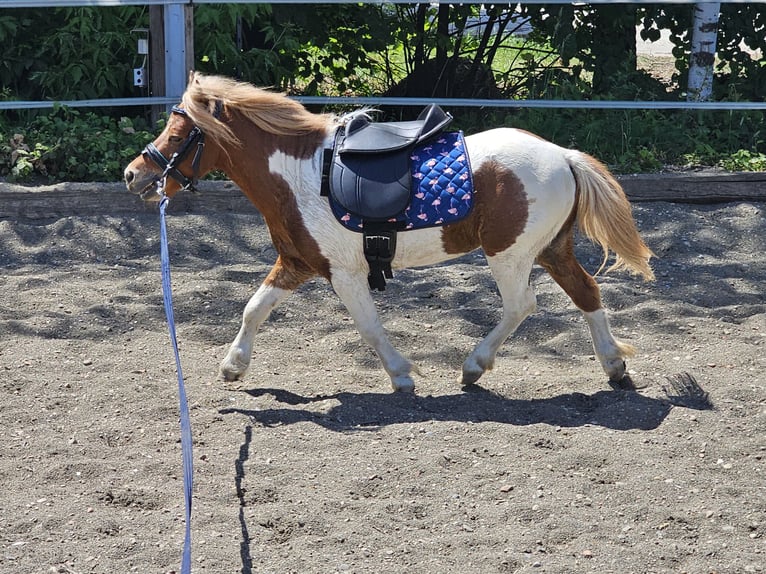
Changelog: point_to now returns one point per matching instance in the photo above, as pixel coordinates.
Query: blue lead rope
(186, 437)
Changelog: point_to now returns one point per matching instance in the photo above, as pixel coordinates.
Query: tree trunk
(420, 25)
(704, 37)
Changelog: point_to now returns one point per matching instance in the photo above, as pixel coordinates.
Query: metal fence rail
(67, 3)
(451, 102)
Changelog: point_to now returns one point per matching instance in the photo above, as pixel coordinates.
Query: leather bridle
(170, 169)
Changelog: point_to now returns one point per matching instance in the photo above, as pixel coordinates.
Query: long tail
(604, 214)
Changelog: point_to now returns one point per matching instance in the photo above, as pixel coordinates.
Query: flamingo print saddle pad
(441, 190)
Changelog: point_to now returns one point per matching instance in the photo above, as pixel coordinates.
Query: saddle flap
(376, 190)
(364, 136)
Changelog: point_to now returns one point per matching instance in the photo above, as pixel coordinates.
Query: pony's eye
(175, 139)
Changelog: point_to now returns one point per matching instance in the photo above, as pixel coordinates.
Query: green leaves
(66, 145)
(69, 53)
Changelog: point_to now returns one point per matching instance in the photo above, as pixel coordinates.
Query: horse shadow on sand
(621, 408)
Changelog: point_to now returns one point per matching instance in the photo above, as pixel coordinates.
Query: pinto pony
(528, 196)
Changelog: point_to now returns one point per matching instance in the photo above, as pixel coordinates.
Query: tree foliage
(80, 53)
(739, 73)
(68, 53)
(320, 47)
(454, 50)
(601, 39)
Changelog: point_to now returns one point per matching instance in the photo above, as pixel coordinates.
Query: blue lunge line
(186, 437)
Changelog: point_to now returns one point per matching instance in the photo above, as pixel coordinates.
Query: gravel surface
(310, 464)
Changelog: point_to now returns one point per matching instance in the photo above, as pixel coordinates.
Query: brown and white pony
(529, 193)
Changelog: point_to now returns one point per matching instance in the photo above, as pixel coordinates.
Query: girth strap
(379, 240)
(378, 237)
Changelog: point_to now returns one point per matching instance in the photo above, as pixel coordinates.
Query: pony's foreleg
(512, 277)
(353, 290)
(259, 306)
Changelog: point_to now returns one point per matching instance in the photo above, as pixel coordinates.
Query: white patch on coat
(540, 166)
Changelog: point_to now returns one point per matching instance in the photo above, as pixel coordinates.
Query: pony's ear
(193, 77)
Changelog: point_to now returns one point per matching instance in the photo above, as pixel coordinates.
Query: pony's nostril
(129, 176)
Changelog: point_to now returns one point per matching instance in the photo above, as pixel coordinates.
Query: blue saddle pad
(441, 189)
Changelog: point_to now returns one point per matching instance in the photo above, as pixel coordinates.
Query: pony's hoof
(235, 363)
(616, 370)
(231, 371)
(472, 372)
(229, 375)
(403, 384)
(467, 379)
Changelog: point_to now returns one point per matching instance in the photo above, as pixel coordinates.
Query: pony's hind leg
(559, 261)
(512, 277)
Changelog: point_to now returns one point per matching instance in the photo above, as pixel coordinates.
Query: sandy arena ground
(311, 465)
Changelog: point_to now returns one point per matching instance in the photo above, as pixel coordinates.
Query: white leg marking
(611, 353)
(237, 360)
(512, 277)
(353, 291)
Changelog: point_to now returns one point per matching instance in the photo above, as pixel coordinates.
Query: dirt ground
(312, 465)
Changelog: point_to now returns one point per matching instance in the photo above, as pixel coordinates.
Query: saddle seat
(362, 135)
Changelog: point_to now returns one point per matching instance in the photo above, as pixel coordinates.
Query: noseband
(170, 166)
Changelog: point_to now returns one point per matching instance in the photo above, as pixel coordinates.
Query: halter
(169, 166)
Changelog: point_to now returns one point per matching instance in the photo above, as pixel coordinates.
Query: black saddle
(368, 173)
(362, 135)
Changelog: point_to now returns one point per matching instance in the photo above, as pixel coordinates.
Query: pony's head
(187, 149)
(200, 134)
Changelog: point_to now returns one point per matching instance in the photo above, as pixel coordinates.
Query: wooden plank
(703, 187)
(87, 199)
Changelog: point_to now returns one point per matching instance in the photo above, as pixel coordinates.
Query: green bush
(632, 141)
(68, 145)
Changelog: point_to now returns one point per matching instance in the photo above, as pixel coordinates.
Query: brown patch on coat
(499, 214)
(300, 257)
(289, 273)
(558, 259)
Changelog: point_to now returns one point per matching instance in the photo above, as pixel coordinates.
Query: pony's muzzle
(129, 176)
(147, 188)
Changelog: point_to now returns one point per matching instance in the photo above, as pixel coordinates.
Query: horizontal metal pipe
(446, 102)
(65, 3)
(105, 103)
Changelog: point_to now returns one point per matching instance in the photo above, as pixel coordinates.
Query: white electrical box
(139, 77)
(143, 46)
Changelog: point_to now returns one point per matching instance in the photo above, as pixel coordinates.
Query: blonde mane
(271, 112)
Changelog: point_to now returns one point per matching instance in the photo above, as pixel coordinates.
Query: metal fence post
(179, 47)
